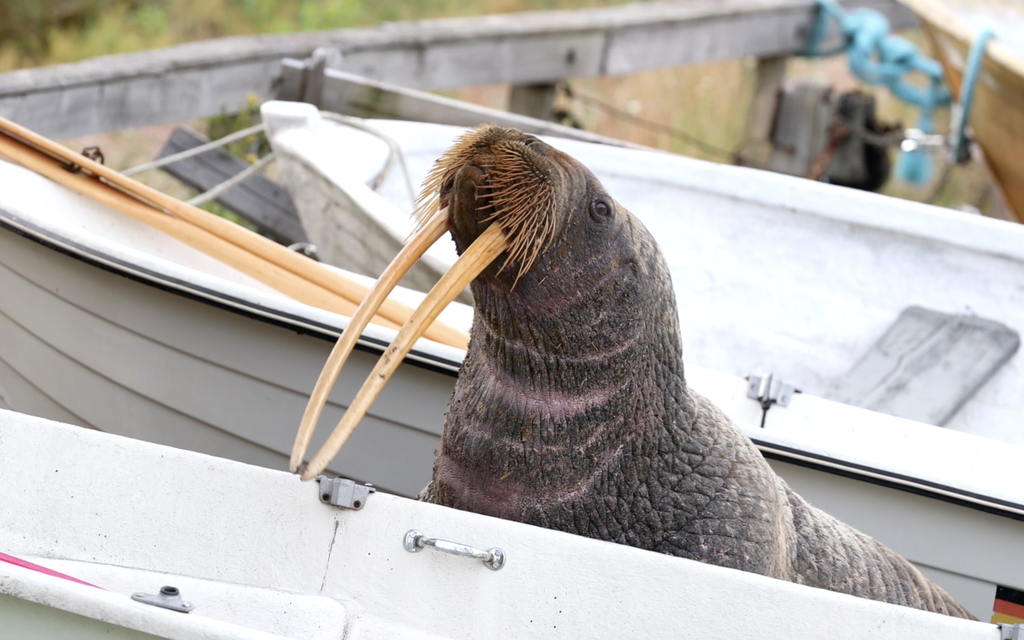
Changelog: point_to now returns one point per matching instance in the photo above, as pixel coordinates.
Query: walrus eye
(600, 211)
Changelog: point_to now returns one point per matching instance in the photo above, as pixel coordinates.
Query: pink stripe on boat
(18, 562)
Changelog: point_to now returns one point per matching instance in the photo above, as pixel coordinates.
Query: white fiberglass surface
(54, 207)
(772, 273)
(76, 219)
(74, 494)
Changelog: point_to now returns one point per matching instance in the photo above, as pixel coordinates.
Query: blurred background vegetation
(708, 102)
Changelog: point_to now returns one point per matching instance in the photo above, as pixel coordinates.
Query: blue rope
(878, 58)
(962, 111)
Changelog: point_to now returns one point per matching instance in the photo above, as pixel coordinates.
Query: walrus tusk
(435, 227)
(489, 245)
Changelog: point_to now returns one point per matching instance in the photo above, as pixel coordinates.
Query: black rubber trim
(162, 281)
(891, 480)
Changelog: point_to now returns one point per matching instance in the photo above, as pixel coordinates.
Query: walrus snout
(469, 205)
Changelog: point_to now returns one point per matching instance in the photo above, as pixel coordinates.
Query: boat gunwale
(81, 249)
(783, 193)
(890, 479)
(166, 282)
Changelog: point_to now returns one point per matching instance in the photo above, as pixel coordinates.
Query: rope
(879, 58)
(194, 151)
(233, 181)
(657, 127)
(960, 150)
(395, 150)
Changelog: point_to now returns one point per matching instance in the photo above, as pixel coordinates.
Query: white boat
(110, 324)
(771, 273)
(113, 325)
(246, 553)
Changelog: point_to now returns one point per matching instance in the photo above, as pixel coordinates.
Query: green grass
(37, 32)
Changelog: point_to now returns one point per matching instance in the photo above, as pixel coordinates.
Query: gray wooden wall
(206, 78)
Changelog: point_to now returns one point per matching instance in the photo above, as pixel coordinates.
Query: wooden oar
(274, 265)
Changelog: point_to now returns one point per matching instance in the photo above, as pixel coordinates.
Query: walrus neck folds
(544, 409)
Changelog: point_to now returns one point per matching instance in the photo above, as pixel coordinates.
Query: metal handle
(493, 559)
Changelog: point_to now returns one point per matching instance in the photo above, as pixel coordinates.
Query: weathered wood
(800, 129)
(927, 364)
(997, 115)
(533, 100)
(257, 200)
(771, 72)
(206, 78)
(356, 96)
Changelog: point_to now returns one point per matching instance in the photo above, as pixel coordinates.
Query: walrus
(571, 410)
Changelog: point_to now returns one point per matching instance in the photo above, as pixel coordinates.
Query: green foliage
(27, 25)
(35, 32)
(250, 148)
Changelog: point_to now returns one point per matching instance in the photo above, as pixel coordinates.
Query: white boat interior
(256, 555)
(771, 273)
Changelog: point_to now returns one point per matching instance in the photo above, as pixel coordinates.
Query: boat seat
(927, 364)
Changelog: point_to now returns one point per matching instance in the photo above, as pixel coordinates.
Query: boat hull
(85, 345)
(259, 556)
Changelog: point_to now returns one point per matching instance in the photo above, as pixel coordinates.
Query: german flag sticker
(1009, 606)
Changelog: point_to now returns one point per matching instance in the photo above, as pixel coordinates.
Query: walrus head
(572, 300)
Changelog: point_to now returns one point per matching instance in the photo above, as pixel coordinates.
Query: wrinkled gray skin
(571, 412)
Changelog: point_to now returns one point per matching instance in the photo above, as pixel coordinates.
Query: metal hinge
(1009, 631)
(766, 390)
(344, 493)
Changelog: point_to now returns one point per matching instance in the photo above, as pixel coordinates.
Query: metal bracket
(914, 139)
(493, 559)
(766, 390)
(1009, 631)
(168, 598)
(307, 249)
(344, 493)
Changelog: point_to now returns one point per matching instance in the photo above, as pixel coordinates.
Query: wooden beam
(771, 72)
(356, 96)
(257, 200)
(534, 100)
(206, 78)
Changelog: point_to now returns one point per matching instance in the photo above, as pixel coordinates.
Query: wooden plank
(927, 365)
(356, 96)
(258, 200)
(997, 115)
(533, 100)
(206, 78)
(799, 132)
(771, 72)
